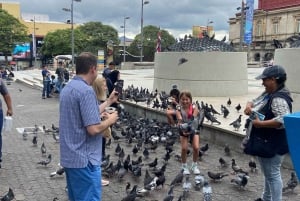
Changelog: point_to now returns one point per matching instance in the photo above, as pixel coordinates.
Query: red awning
(12, 63)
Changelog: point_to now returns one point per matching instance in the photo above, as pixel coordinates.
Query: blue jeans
(59, 85)
(46, 88)
(273, 182)
(84, 184)
(1, 125)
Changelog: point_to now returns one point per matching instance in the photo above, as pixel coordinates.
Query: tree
(98, 35)
(91, 37)
(11, 32)
(150, 41)
(59, 42)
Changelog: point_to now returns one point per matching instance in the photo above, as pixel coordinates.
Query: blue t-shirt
(78, 109)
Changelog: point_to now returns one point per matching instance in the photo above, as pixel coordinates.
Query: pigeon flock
(205, 44)
(143, 158)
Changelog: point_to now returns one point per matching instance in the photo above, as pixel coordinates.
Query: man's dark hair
(84, 62)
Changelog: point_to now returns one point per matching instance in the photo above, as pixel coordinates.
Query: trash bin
(292, 126)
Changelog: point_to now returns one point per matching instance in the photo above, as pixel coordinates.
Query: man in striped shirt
(80, 129)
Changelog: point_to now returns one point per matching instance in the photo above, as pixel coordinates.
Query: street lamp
(207, 25)
(72, 28)
(34, 41)
(124, 39)
(142, 31)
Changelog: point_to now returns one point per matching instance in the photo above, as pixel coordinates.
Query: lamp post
(207, 25)
(124, 39)
(142, 31)
(72, 27)
(34, 41)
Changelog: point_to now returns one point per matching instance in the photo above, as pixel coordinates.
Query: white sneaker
(185, 169)
(195, 169)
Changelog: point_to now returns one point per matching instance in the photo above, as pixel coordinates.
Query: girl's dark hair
(84, 62)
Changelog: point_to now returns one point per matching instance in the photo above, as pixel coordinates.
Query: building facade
(273, 22)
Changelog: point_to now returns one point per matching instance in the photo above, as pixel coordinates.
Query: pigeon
(34, 140)
(227, 150)
(131, 195)
(170, 195)
(8, 196)
(229, 102)
(146, 153)
(216, 176)
(292, 183)
(187, 185)
(236, 123)
(153, 164)
(207, 191)
(46, 162)
(178, 178)
(60, 171)
(237, 168)
(199, 181)
(225, 111)
(252, 165)
(43, 149)
(55, 137)
(118, 149)
(20, 90)
(108, 143)
(238, 107)
(182, 61)
(204, 148)
(222, 162)
(240, 180)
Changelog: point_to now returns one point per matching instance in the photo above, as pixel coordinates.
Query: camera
(119, 86)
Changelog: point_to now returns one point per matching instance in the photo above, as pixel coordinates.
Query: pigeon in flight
(182, 61)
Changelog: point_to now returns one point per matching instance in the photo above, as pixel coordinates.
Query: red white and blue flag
(158, 44)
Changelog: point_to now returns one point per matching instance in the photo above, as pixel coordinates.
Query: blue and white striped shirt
(78, 109)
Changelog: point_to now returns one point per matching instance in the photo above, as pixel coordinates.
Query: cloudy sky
(175, 16)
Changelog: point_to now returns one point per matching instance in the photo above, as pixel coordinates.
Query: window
(258, 29)
(298, 25)
(275, 27)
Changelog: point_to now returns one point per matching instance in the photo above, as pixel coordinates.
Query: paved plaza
(31, 182)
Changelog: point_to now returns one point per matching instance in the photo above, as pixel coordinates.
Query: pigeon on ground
(60, 171)
(34, 140)
(252, 165)
(187, 185)
(153, 164)
(237, 168)
(204, 148)
(207, 192)
(178, 178)
(199, 182)
(43, 149)
(292, 183)
(170, 195)
(9, 196)
(222, 162)
(240, 180)
(131, 195)
(46, 162)
(216, 176)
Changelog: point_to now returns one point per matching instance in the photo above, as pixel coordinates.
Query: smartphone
(119, 87)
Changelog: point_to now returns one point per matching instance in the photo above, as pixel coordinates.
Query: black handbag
(256, 145)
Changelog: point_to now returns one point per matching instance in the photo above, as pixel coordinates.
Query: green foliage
(11, 32)
(91, 37)
(150, 41)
